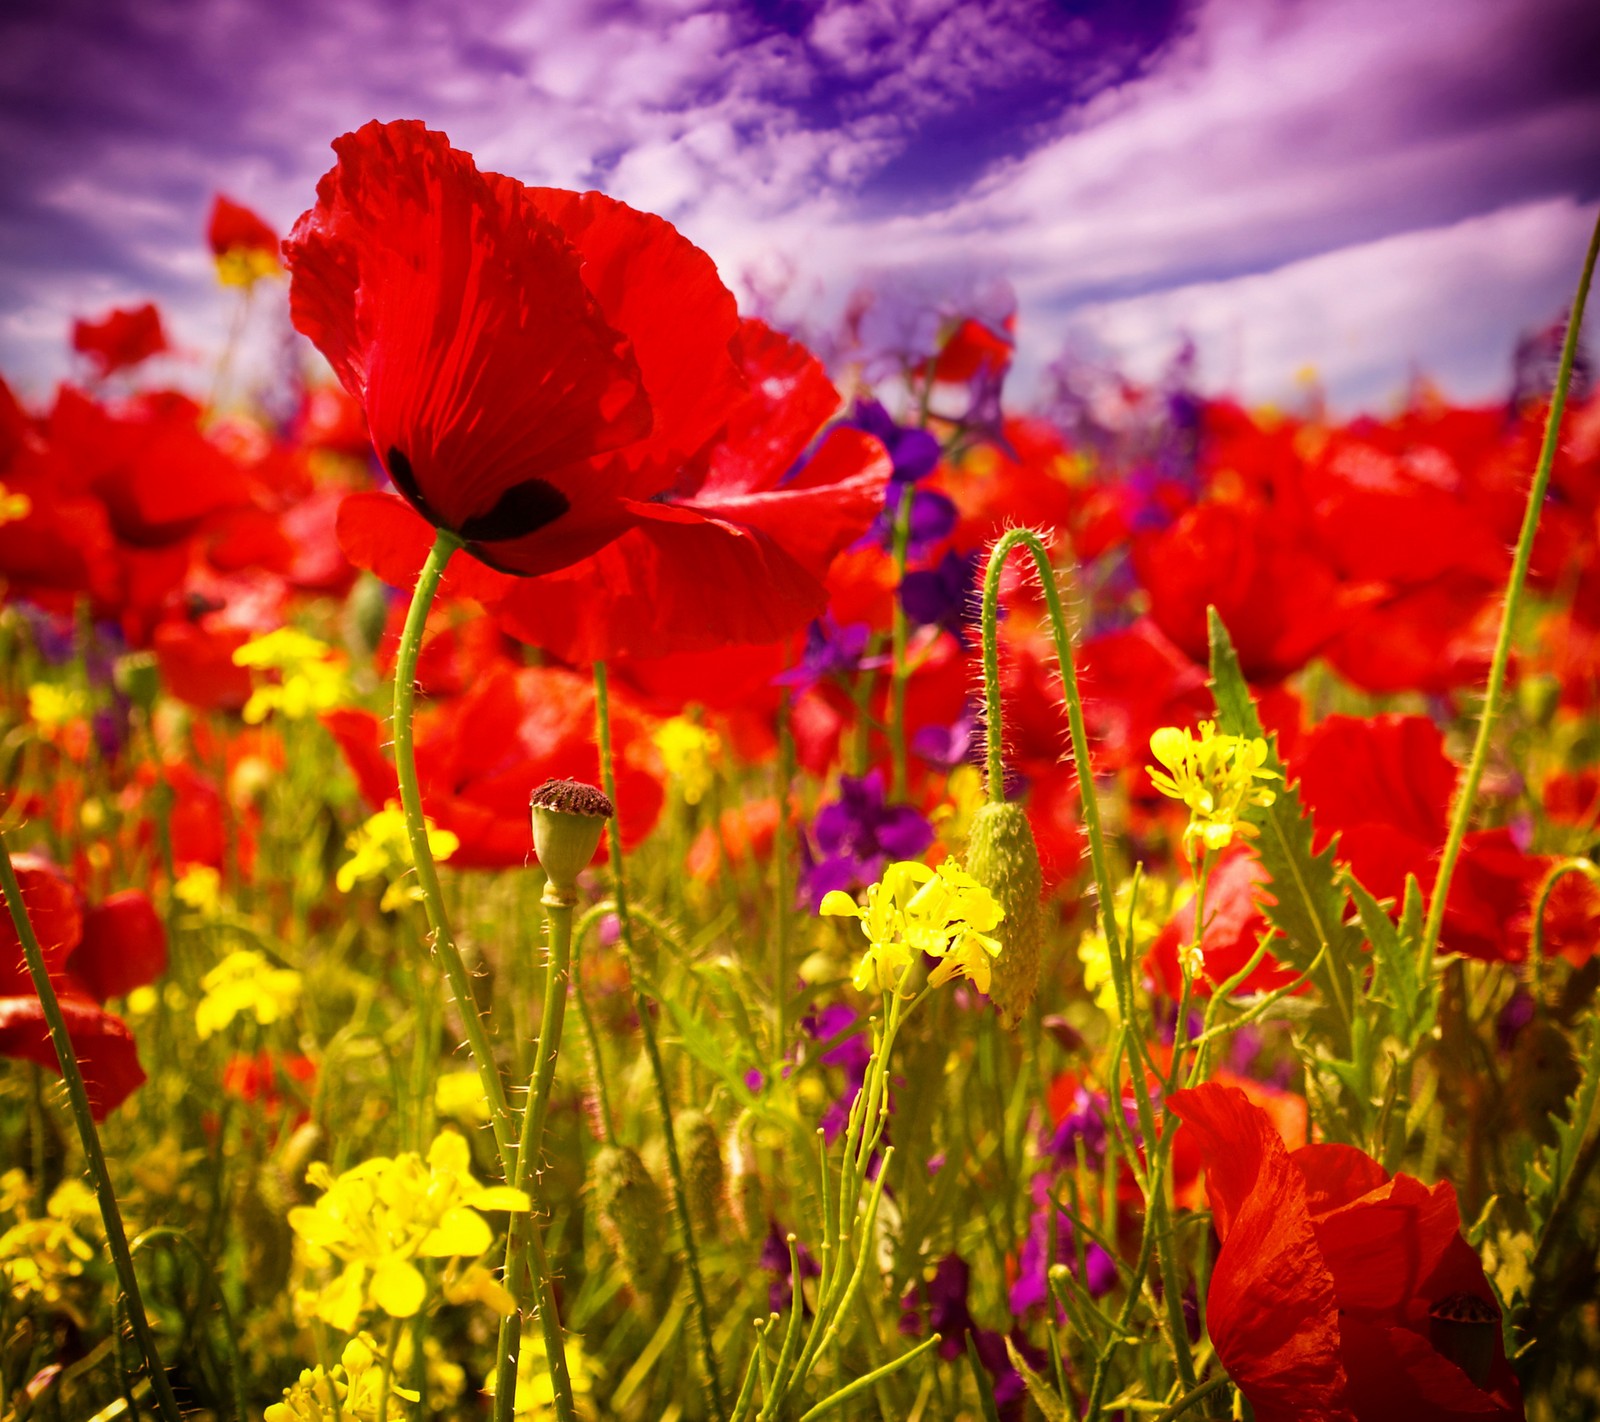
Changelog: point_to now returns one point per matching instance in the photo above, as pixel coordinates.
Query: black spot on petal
(521, 510)
(405, 480)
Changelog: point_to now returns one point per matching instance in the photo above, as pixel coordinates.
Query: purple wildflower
(1033, 1260)
(857, 834)
(945, 595)
(831, 650)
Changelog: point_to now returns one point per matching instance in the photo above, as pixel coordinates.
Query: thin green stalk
(1193, 1396)
(558, 915)
(405, 761)
(782, 888)
(1467, 790)
(680, 1204)
(868, 1381)
(88, 1135)
(210, 1291)
(898, 632)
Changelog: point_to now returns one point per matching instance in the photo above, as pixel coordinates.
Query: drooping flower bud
(631, 1213)
(139, 679)
(700, 1154)
(568, 817)
(1002, 856)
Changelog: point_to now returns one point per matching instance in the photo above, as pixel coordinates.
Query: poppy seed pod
(567, 819)
(701, 1154)
(630, 1208)
(1002, 856)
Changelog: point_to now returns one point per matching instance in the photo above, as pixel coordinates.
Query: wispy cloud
(1141, 167)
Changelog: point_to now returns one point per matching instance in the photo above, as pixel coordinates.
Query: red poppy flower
(245, 247)
(1341, 1294)
(531, 361)
(1384, 786)
(479, 758)
(121, 338)
(1234, 925)
(123, 948)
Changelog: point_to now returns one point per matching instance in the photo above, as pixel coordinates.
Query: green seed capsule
(633, 1217)
(700, 1155)
(1002, 856)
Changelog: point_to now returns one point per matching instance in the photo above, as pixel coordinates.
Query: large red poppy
(1341, 1294)
(530, 360)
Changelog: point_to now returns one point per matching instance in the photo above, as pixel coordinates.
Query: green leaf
(1306, 903)
(980, 1380)
(1045, 1398)
(1394, 959)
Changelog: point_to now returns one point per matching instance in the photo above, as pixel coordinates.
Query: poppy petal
(456, 312)
(124, 946)
(1271, 1309)
(107, 1055)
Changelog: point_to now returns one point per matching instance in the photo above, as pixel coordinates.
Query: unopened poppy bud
(138, 678)
(632, 1215)
(1002, 856)
(700, 1154)
(746, 1198)
(567, 819)
(366, 614)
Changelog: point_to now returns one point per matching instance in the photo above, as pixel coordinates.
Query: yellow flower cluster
(381, 849)
(1139, 923)
(380, 1217)
(245, 982)
(914, 909)
(1216, 777)
(311, 676)
(350, 1393)
(14, 506)
(40, 1258)
(688, 751)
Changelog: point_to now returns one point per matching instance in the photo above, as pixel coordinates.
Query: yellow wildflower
(41, 1258)
(944, 912)
(14, 507)
(310, 676)
(380, 1217)
(687, 751)
(352, 1391)
(51, 706)
(1215, 776)
(381, 849)
(459, 1095)
(1146, 916)
(199, 887)
(245, 982)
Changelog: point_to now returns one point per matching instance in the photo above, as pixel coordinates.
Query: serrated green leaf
(1045, 1398)
(1394, 960)
(1305, 903)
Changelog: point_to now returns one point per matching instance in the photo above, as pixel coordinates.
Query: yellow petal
(398, 1288)
(461, 1231)
(838, 904)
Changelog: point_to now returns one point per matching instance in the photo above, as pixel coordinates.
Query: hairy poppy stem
(558, 972)
(444, 943)
(680, 1204)
(1467, 790)
(88, 1135)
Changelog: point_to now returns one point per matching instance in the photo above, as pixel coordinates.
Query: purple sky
(1361, 187)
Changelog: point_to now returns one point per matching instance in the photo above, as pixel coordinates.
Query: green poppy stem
(680, 1206)
(444, 944)
(88, 1135)
(558, 973)
(1467, 790)
(405, 762)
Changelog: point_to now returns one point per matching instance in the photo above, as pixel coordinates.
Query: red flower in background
(121, 338)
(480, 757)
(110, 949)
(245, 247)
(1384, 787)
(1234, 926)
(531, 362)
(1341, 1294)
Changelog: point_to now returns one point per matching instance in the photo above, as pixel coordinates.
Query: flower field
(571, 860)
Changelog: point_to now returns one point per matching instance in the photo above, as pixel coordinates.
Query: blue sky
(1363, 187)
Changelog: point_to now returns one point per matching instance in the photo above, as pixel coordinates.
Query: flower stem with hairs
(88, 1136)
